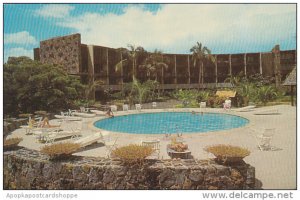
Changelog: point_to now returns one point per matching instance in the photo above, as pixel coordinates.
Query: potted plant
(178, 149)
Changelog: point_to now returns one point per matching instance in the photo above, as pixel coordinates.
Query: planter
(176, 154)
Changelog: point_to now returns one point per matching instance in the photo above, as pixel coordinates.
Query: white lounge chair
(90, 139)
(267, 112)
(138, 107)
(84, 115)
(98, 112)
(52, 136)
(245, 109)
(154, 144)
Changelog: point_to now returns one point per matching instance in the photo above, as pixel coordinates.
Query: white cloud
(16, 52)
(19, 38)
(55, 10)
(224, 28)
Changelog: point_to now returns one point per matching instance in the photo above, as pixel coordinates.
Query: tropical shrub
(12, 143)
(132, 153)
(228, 153)
(60, 150)
(265, 94)
(215, 101)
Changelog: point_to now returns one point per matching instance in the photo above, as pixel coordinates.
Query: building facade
(92, 63)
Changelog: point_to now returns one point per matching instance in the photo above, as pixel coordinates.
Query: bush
(228, 153)
(132, 153)
(215, 101)
(12, 143)
(60, 150)
(265, 94)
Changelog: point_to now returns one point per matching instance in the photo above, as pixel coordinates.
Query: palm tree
(155, 63)
(199, 56)
(131, 55)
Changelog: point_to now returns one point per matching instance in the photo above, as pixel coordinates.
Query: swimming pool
(171, 123)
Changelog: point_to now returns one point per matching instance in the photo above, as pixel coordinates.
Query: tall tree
(132, 54)
(200, 55)
(156, 63)
(30, 85)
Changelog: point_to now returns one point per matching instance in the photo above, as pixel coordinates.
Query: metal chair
(154, 144)
(264, 139)
(110, 145)
(138, 107)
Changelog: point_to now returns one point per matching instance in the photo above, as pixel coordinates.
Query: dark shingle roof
(291, 78)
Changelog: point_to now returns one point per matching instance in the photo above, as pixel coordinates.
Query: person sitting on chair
(109, 113)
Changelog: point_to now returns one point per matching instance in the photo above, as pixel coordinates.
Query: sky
(171, 28)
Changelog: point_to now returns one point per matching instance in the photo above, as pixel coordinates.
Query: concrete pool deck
(275, 169)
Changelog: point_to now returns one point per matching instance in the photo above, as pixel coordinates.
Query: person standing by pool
(109, 113)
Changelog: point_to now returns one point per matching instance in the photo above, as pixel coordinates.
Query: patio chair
(154, 144)
(125, 107)
(110, 145)
(82, 109)
(154, 104)
(90, 139)
(138, 107)
(264, 139)
(57, 134)
(202, 104)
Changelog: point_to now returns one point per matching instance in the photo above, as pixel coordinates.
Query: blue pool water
(171, 123)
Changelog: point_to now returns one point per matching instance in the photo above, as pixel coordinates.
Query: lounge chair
(84, 115)
(245, 109)
(90, 139)
(154, 144)
(267, 112)
(55, 135)
(98, 112)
